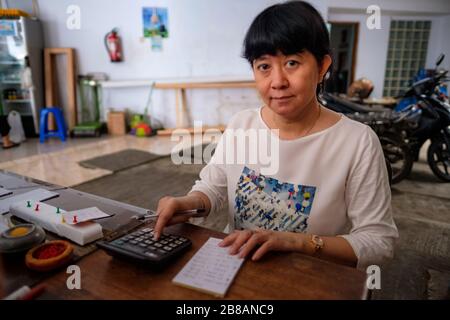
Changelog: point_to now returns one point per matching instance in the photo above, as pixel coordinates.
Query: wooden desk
(276, 276)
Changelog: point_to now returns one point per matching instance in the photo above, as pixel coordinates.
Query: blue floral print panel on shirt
(267, 203)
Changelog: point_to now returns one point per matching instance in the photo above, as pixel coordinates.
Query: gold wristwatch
(317, 242)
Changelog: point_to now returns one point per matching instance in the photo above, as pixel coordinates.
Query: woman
(4, 132)
(330, 196)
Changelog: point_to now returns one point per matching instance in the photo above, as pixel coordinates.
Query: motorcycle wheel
(397, 152)
(439, 159)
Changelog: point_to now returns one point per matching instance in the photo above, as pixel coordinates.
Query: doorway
(343, 40)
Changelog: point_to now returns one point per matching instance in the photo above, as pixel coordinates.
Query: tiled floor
(57, 162)
(32, 147)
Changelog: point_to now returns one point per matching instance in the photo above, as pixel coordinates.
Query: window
(408, 42)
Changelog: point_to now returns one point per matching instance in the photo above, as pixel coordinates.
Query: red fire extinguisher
(113, 46)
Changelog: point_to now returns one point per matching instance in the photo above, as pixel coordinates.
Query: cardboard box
(116, 123)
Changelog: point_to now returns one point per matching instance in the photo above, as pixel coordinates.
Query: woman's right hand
(167, 207)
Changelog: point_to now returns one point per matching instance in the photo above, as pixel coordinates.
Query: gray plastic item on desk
(11, 244)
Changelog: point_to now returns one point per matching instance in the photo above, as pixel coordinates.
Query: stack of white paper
(211, 269)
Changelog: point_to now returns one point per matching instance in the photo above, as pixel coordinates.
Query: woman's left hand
(267, 240)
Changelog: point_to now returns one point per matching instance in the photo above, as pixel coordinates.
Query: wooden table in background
(180, 85)
(181, 101)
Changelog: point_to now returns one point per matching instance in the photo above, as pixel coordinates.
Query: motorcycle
(345, 106)
(433, 124)
(383, 121)
(403, 133)
(388, 128)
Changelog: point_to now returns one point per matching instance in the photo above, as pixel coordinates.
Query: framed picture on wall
(155, 22)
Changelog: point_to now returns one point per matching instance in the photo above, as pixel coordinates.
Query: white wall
(389, 6)
(205, 36)
(445, 27)
(205, 39)
(439, 42)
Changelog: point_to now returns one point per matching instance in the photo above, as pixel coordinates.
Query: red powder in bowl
(49, 251)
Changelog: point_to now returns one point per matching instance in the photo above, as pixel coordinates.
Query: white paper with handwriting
(211, 269)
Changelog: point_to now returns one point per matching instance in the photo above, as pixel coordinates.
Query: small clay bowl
(49, 256)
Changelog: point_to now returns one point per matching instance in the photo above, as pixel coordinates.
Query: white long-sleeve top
(330, 183)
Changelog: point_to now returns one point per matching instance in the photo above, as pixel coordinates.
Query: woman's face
(287, 84)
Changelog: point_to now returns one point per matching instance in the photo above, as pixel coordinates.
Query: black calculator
(139, 246)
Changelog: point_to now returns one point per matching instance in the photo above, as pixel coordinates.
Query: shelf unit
(21, 39)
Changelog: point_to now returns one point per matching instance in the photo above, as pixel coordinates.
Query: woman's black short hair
(290, 27)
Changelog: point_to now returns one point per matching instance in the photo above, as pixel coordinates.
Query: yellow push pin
(63, 220)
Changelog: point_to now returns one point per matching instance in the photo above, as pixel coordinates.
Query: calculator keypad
(141, 242)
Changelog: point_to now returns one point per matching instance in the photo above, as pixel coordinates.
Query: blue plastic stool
(44, 133)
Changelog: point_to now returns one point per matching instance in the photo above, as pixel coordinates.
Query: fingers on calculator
(161, 222)
(141, 246)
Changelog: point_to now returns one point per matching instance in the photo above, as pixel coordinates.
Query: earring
(321, 87)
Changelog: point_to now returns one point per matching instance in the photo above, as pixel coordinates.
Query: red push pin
(75, 219)
(37, 207)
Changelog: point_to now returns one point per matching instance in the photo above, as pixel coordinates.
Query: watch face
(318, 241)
(321, 242)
